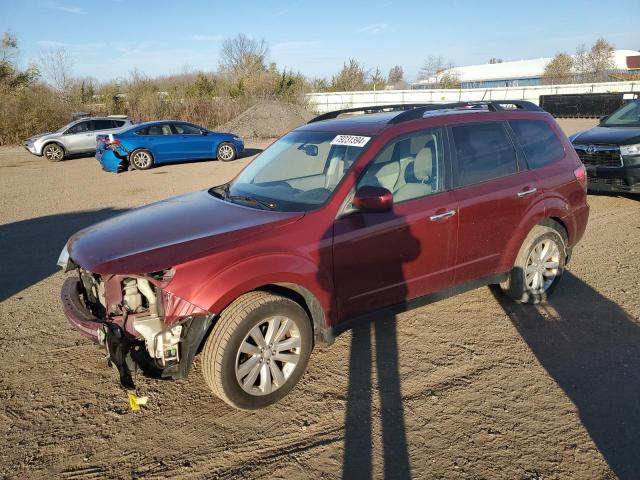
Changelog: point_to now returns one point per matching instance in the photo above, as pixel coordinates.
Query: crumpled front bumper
(78, 316)
(111, 162)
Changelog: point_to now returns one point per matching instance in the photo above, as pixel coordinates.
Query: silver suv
(77, 137)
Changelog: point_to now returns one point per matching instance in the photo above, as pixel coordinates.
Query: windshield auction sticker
(350, 140)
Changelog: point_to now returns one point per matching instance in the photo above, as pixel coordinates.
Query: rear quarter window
(539, 142)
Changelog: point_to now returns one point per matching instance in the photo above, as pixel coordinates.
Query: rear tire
(257, 351)
(141, 159)
(226, 152)
(53, 152)
(539, 265)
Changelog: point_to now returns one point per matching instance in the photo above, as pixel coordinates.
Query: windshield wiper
(246, 198)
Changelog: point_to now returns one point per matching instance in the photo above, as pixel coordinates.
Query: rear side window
(163, 129)
(118, 123)
(102, 124)
(483, 152)
(184, 129)
(540, 144)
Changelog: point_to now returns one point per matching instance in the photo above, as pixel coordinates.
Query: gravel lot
(472, 386)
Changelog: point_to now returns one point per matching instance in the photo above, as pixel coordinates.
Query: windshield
(297, 173)
(627, 116)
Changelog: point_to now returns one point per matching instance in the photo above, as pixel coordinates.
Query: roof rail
(368, 109)
(491, 105)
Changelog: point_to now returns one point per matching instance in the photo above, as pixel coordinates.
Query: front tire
(257, 351)
(53, 152)
(141, 159)
(539, 265)
(226, 152)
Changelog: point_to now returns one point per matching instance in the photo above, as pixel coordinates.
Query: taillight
(581, 175)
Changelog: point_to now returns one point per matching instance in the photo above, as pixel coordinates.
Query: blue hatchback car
(153, 143)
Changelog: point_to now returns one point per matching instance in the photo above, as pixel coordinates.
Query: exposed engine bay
(141, 325)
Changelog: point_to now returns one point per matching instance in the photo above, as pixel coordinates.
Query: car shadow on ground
(73, 156)
(630, 196)
(30, 248)
(358, 443)
(360, 413)
(591, 347)
(249, 152)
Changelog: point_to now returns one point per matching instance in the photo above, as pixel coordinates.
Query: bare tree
(494, 60)
(559, 69)
(600, 60)
(580, 60)
(439, 73)
(241, 56)
(396, 75)
(57, 68)
(11, 77)
(594, 65)
(8, 47)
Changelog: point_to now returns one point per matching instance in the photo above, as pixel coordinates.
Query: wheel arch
(137, 149)
(515, 244)
(56, 142)
(308, 301)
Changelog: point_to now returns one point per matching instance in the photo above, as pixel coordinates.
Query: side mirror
(373, 199)
(603, 119)
(205, 132)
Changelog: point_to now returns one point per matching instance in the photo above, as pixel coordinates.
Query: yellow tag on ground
(135, 401)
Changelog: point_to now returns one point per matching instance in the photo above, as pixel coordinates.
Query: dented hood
(168, 233)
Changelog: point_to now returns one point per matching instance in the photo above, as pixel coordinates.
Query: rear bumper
(239, 148)
(614, 179)
(110, 162)
(78, 316)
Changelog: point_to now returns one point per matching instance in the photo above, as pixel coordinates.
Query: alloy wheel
(542, 266)
(268, 355)
(53, 152)
(226, 152)
(141, 160)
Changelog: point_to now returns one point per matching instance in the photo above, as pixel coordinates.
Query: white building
(522, 72)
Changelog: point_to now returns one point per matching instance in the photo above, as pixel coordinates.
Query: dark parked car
(338, 218)
(152, 143)
(611, 151)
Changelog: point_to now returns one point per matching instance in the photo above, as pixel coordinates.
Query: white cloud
(374, 28)
(206, 38)
(66, 8)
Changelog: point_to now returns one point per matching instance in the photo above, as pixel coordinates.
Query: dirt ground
(472, 386)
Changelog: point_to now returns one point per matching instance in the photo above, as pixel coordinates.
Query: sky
(107, 39)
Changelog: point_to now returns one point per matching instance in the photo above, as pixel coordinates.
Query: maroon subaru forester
(338, 218)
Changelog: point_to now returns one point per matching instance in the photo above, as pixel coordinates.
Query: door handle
(524, 193)
(442, 216)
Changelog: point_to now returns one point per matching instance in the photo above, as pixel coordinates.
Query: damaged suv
(338, 218)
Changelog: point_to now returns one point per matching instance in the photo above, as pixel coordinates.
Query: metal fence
(326, 102)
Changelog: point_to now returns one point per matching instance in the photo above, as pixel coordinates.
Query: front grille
(616, 182)
(599, 155)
